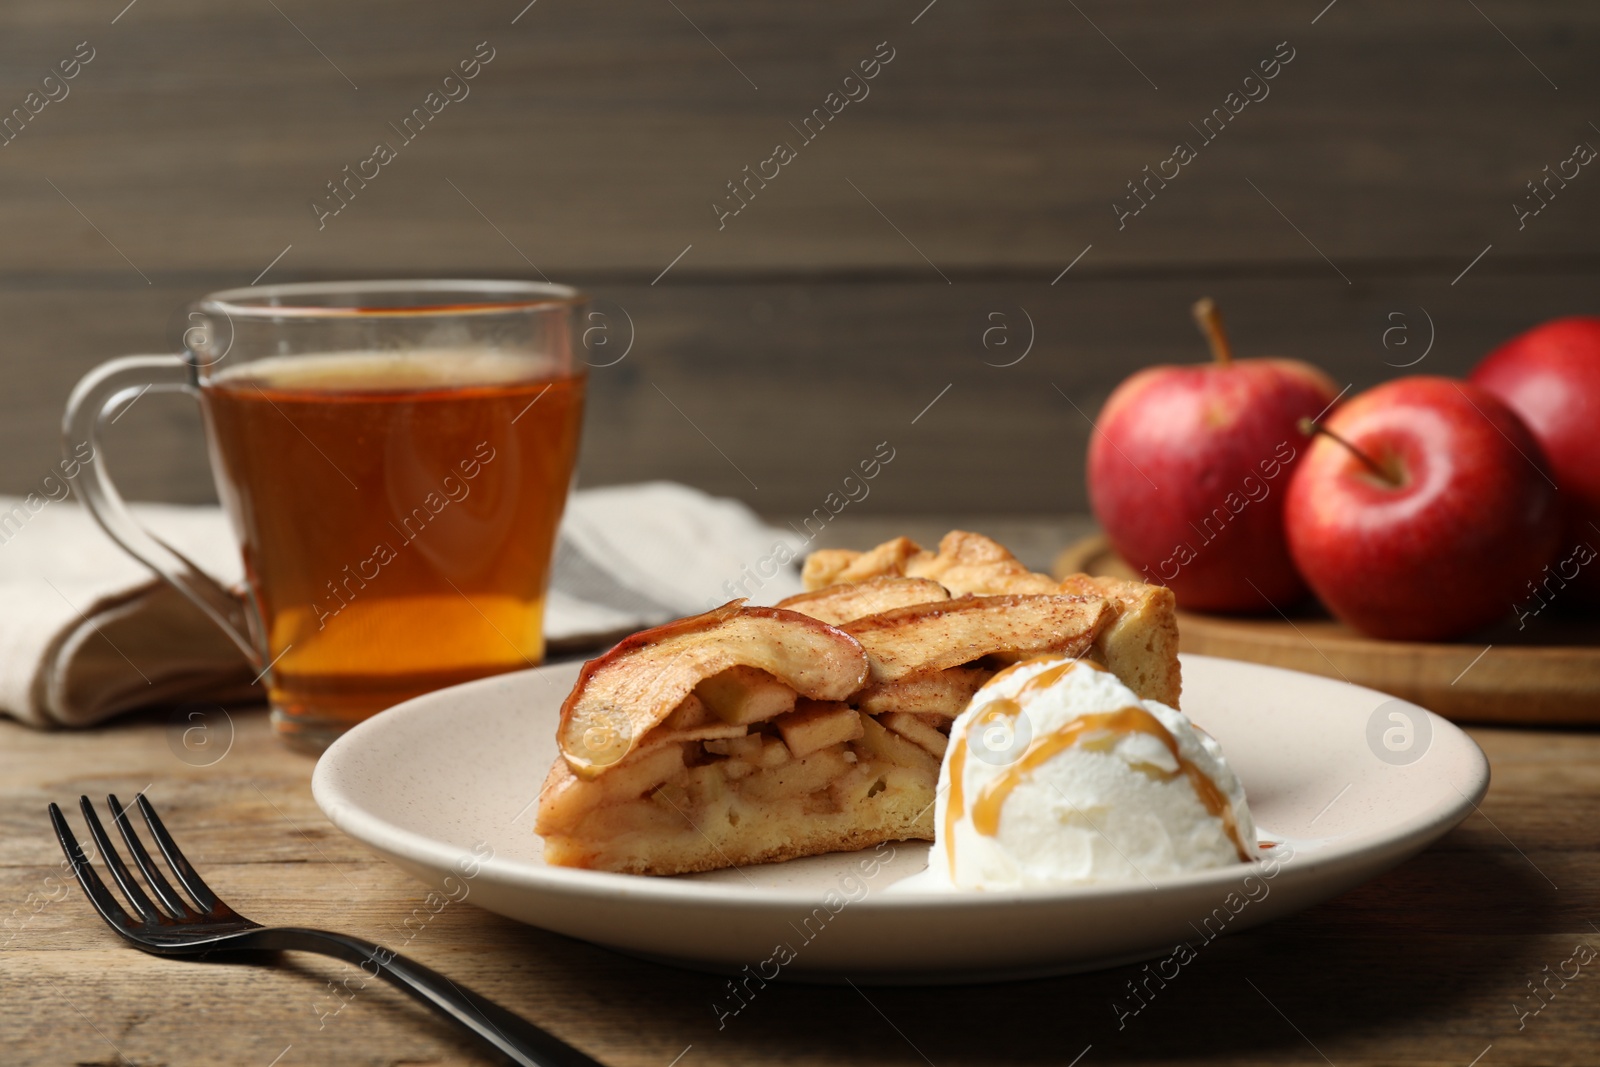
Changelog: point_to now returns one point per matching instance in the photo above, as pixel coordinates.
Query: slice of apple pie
(747, 735)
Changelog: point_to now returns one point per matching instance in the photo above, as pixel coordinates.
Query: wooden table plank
(1423, 965)
(863, 358)
(601, 133)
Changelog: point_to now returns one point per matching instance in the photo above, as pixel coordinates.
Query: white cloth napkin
(86, 632)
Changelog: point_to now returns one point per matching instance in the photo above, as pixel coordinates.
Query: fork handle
(511, 1034)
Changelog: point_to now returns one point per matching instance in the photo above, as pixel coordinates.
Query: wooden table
(1429, 964)
(1425, 965)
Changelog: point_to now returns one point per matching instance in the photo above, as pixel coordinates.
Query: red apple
(1188, 468)
(1422, 516)
(1551, 377)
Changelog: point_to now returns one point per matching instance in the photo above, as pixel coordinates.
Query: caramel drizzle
(1043, 657)
(992, 710)
(953, 809)
(1130, 720)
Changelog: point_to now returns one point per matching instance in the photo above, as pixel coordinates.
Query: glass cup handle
(101, 392)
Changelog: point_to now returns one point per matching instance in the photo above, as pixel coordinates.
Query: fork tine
(180, 866)
(102, 899)
(175, 904)
(119, 870)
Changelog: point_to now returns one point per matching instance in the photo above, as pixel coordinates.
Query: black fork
(201, 924)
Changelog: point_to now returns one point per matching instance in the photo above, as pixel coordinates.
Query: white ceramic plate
(444, 786)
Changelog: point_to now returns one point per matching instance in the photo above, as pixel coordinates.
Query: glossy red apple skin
(1550, 376)
(1453, 547)
(1180, 449)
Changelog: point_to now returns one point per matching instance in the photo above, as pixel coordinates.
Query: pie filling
(816, 776)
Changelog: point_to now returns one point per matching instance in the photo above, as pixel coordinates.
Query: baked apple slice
(937, 692)
(949, 633)
(765, 652)
(839, 604)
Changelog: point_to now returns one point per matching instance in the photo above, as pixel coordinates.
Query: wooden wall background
(811, 327)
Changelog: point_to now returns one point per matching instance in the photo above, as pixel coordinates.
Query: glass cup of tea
(394, 457)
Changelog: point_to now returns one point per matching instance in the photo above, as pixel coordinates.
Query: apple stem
(1210, 320)
(1311, 429)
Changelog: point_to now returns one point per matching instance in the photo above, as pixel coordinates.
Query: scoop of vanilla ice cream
(1058, 773)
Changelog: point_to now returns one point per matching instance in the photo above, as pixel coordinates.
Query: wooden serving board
(1547, 673)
